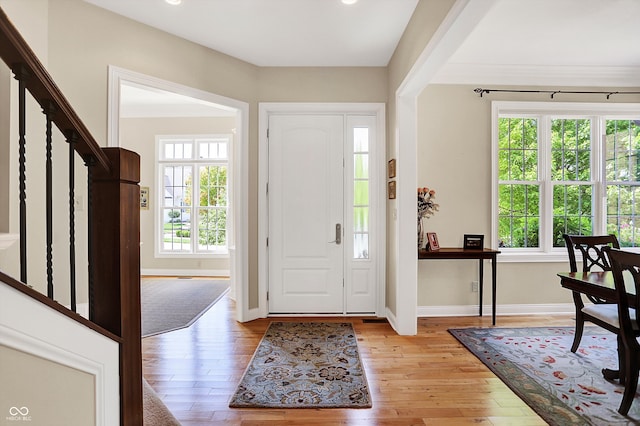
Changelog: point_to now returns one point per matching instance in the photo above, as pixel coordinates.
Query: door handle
(338, 239)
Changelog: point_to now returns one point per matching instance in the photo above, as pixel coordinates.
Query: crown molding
(537, 75)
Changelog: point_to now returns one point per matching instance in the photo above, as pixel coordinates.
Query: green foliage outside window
(518, 199)
(573, 182)
(622, 169)
(212, 205)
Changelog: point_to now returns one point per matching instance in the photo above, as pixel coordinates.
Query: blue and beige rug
(564, 388)
(305, 365)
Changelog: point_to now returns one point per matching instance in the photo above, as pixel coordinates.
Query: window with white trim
(565, 168)
(193, 194)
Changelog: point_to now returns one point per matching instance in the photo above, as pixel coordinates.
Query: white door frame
(266, 108)
(462, 18)
(239, 238)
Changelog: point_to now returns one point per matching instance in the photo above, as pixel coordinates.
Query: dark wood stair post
(115, 252)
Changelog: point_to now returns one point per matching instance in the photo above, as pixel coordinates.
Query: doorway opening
(184, 137)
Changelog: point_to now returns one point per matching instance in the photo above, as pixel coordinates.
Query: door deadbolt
(338, 239)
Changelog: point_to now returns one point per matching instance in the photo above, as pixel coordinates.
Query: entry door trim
(379, 168)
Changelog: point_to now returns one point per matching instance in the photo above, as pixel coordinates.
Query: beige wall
(54, 394)
(84, 40)
(139, 135)
(31, 18)
(423, 24)
(454, 152)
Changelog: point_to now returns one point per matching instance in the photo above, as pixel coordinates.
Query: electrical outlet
(474, 286)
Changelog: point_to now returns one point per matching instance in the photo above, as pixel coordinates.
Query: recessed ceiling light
(174, 2)
(349, 1)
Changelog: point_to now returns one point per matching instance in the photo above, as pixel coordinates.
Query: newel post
(115, 252)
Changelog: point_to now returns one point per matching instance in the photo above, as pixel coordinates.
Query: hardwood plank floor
(427, 379)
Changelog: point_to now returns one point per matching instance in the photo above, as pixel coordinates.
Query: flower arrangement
(426, 204)
(426, 208)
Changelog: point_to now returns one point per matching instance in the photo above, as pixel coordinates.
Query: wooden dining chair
(593, 258)
(625, 263)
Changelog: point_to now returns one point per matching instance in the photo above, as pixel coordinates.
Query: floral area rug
(305, 365)
(564, 388)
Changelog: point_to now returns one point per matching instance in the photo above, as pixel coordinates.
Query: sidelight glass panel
(361, 193)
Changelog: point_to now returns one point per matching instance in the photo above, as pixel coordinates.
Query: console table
(480, 255)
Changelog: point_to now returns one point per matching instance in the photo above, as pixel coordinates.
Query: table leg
(480, 284)
(493, 289)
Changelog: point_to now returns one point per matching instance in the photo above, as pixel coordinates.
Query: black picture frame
(473, 242)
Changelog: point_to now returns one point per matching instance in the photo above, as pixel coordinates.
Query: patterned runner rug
(305, 365)
(564, 388)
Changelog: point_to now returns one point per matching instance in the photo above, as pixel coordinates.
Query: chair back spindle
(591, 249)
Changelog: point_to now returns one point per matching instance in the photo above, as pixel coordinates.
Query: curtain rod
(482, 91)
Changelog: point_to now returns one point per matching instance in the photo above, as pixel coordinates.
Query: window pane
(360, 246)
(361, 139)
(623, 214)
(361, 166)
(572, 211)
(177, 150)
(212, 225)
(518, 215)
(571, 149)
(213, 186)
(177, 186)
(361, 219)
(176, 234)
(623, 150)
(361, 193)
(518, 149)
(213, 149)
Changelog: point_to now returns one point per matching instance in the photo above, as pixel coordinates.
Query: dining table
(599, 284)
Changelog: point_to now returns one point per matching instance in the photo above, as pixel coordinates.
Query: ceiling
(281, 32)
(590, 43)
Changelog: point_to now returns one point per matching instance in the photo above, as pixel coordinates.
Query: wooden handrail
(18, 56)
(114, 221)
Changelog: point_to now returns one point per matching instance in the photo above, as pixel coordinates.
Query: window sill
(510, 257)
(192, 255)
(540, 257)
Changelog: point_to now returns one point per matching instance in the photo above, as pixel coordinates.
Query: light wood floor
(428, 379)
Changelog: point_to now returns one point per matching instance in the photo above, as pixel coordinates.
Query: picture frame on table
(473, 242)
(432, 241)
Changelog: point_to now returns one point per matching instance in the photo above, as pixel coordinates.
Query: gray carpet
(155, 412)
(171, 304)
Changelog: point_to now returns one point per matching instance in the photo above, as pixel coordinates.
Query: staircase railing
(113, 217)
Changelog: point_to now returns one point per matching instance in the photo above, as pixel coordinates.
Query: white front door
(325, 174)
(306, 214)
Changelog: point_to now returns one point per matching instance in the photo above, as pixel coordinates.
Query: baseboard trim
(392, 319)
(472, 310)
(185, 272)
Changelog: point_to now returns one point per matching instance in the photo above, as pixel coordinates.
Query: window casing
(563, 168)
(193, 188)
